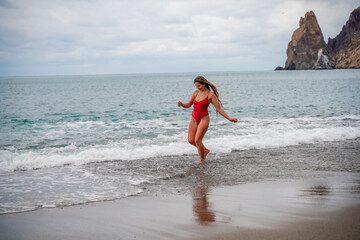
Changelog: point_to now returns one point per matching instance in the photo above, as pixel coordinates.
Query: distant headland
(308, 50)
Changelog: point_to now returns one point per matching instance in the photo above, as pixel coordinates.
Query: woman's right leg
(192, 131)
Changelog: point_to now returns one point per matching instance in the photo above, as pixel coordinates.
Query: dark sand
(319, 208)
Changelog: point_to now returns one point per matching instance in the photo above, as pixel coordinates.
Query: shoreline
(172, 175)
(252, 211)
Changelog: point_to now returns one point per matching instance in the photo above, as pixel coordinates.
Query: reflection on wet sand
(201, 206)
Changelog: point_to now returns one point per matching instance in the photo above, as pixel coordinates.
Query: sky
(71, 37)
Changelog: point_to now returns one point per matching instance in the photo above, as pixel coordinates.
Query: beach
(314, 208)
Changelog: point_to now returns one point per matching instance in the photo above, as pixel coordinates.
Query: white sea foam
(223, 137)
(271, 138)
(137, 182)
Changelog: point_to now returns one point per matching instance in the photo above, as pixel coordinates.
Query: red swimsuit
(200, 109)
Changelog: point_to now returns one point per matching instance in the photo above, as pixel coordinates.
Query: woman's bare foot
(206, 153)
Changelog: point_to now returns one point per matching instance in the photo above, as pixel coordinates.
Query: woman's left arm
(219, 109)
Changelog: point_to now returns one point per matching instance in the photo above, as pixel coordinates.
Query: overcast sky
(64, 37)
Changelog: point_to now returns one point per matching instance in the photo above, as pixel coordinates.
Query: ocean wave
(223, 137)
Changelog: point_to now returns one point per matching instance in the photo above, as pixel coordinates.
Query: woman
(199, 123)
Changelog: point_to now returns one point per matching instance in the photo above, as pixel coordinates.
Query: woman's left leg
(200, 133)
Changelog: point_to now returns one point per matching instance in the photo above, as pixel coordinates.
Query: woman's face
(200, 86)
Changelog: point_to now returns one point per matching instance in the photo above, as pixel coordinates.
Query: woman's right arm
(189, 103)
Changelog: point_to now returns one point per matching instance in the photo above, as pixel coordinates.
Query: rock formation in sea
(307, 48)
(346, 45)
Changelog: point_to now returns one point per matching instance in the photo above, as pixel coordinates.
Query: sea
(69, 140)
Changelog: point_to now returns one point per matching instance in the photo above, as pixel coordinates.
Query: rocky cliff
(345, 47)
(308, 50)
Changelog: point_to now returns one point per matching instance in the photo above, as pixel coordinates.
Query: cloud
(81, 37)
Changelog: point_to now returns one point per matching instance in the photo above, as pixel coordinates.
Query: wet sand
(318, 208)
(336, 225)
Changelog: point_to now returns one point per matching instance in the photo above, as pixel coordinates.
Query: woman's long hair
(209, 85)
